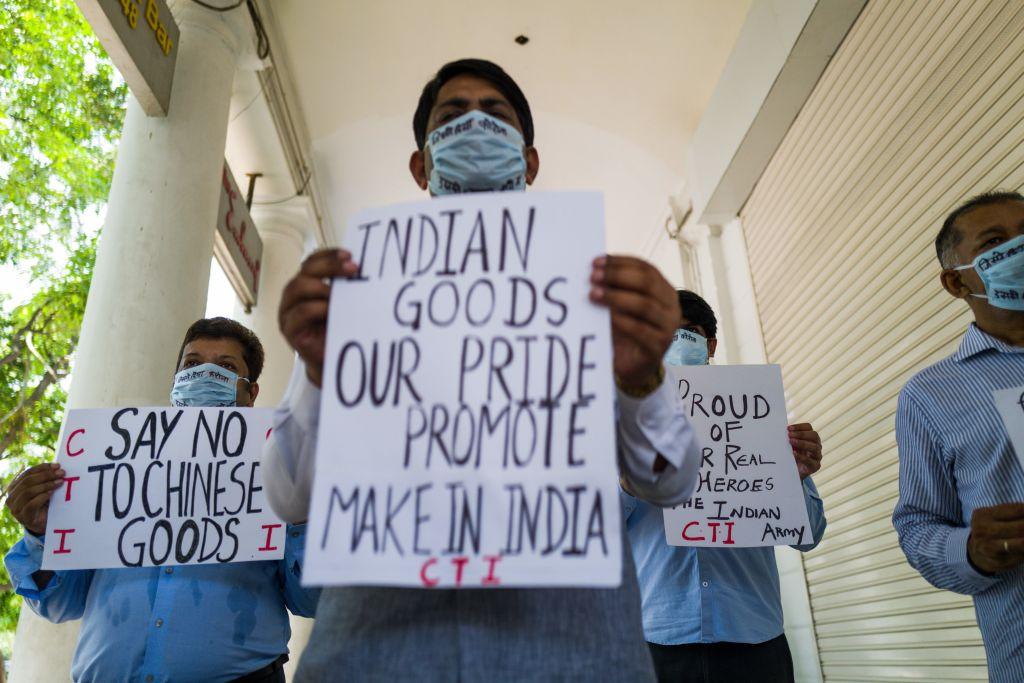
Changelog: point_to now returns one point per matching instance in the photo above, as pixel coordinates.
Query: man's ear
(712, 347)
(532, 164)
(254, 391)
(953, 283)
(418, 168)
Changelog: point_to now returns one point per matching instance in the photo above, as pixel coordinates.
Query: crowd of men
(680, 613)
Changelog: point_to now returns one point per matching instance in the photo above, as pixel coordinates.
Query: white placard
(749, 492)
(466, 427)
(1010, 403)
(147, 487)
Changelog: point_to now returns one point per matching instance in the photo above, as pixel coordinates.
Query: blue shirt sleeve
(928, 515)
(627, 502)
(300, 601)
(63, 598)
(815, 515)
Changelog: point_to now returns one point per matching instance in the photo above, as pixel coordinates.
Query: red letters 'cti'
(270, 532)
(67, 446)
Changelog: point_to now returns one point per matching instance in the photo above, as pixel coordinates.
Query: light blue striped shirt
(955, 457)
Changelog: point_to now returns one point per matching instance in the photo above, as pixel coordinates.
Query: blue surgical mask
(476, 153)
(1002, 271)
(687, 348)
(204, 386)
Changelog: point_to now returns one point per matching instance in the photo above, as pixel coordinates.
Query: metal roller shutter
(922, 105)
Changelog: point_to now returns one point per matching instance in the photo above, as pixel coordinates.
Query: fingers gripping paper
(466, 426)
(146, 487)
(749, 492)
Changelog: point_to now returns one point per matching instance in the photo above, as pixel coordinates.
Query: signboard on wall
(237, 245)
(141, 38)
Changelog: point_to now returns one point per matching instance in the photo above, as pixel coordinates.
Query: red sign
(237, 246)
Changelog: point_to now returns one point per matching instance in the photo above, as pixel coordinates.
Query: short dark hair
(698, 312)
(949, 236)
(481, 68)
(226, 328)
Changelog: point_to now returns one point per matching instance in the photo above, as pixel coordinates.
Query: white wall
(367, 165)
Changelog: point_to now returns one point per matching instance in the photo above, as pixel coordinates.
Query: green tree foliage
(61, 111)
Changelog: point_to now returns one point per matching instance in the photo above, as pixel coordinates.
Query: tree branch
(12, 435)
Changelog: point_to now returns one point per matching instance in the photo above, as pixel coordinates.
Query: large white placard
(1010, 403)
(147, 487)
(749, 493)
(466, 426)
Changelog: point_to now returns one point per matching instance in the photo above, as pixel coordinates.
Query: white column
(738, 306)
(283, 247)
(153, 260)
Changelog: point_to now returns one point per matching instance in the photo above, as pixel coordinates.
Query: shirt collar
(976, 341)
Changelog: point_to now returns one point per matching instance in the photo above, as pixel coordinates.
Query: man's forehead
(470, 87)
(209, 346)
(1009, 213)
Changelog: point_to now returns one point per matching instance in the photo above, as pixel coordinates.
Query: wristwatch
(645, 390)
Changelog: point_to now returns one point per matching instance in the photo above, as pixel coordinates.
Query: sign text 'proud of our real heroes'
(749, 491)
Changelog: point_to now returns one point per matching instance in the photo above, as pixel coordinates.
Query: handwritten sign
(147, 487)
(1010, 404)
(749, 493)
(466, 425)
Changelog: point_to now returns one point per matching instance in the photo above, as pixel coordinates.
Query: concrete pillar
(741, 325)
(283, 247)
(153, 260)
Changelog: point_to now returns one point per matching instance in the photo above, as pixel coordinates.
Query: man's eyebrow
(991, 230)
(493, 101)
(454, 102)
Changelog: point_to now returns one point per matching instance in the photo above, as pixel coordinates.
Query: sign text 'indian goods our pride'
(147, 487)
(466, 426)
(749, 492)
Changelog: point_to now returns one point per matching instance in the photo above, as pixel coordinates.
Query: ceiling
(617, 90)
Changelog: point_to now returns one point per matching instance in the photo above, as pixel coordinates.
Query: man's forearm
(659, 457)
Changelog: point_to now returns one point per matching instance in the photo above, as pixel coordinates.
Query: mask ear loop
(247, 381)
(968, 267)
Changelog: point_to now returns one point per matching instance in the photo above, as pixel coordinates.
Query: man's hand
(302, 315)
(28, 495)
(645, 315)
(996, 543)
(806, 448)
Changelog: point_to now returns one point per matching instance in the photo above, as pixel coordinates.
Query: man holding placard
(960, 515)
(714, 614)
(533, 444)
(180, 497)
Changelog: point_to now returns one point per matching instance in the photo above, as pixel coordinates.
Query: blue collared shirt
(955, 457)
(185, 623)
(708, 595)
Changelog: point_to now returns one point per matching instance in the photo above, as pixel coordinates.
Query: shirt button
(295, 534)
(704, 583)
(159, 623)
(149, 678)
(169, 570)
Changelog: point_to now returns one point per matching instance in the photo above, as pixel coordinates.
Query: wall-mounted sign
(142, 40)
(237, 245)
